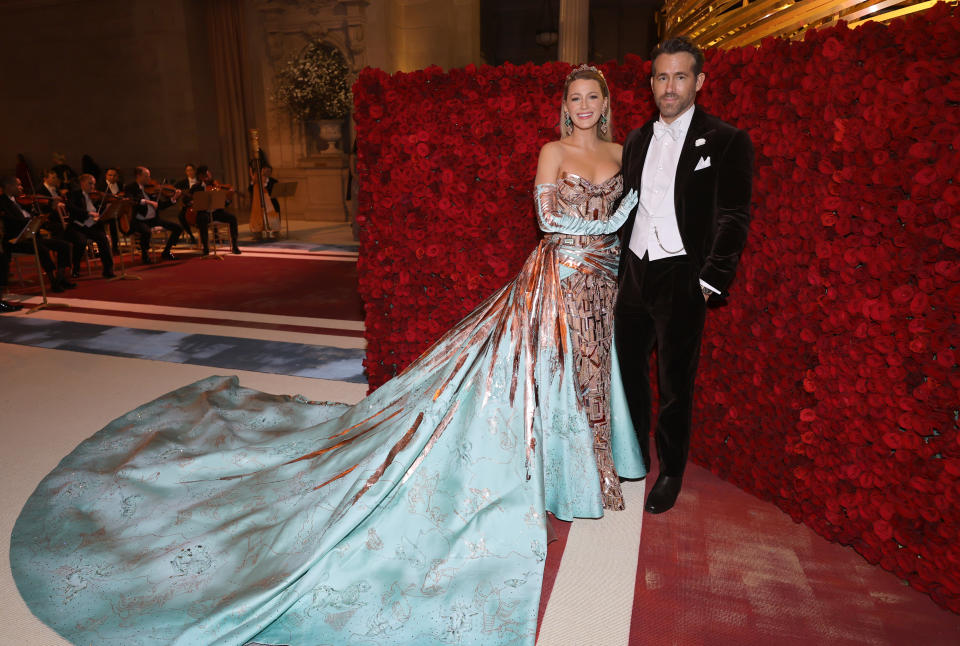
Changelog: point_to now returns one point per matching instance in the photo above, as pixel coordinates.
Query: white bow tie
(660, 129)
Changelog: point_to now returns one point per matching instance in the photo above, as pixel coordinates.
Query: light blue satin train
(221, 515)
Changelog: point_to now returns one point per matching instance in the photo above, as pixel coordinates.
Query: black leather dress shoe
(166, 255)
(6, 308)
(663, 494)
(109, 274)
(236, 251)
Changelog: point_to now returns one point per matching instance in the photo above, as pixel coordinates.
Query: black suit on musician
(184, 185)
(141, 224)
(54, 225)
(112, 225)
(660, 302)
(220, 215)
(14, 220)
(88, 231)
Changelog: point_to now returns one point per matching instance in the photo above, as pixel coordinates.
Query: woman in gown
(221, 515)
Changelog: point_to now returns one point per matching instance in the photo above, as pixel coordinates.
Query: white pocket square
(703, 163)
(699, 142)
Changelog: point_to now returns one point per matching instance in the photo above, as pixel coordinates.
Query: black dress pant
(203, 222)
(142, 230)
(97, 233)
(660, 304)
(114, 235)
(182, 218)
(44, 247)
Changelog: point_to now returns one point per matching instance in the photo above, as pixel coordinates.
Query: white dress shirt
(90, 208)
(656, 232)
(151, 210)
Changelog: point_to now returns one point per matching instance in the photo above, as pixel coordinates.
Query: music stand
(210, 201)
(285, 190)
(112, 212)
(30, 232)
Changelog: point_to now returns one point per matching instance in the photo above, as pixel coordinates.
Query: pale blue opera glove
(552, 219)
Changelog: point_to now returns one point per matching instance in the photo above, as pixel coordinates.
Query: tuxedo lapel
(689, 156)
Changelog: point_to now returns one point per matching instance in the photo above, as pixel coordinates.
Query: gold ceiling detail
(735, 23)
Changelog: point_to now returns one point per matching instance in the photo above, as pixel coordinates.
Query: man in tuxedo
(55, 223)
(111, 184)
(146, 214)
(185, 185)
(220, 215)
(5, 307)
(86, 224)
(680, 250)
(15, 218)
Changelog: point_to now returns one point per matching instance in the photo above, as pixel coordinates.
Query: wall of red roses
(829, 382)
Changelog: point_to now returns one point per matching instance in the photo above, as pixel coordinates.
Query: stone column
(574, 31)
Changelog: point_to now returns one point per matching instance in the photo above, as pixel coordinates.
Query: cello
(264, 220)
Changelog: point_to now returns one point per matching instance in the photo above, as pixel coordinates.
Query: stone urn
(325, 136)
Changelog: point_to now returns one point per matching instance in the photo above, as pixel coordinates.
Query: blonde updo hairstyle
(605, 124)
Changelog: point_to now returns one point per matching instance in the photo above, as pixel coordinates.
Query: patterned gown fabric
(222, 515)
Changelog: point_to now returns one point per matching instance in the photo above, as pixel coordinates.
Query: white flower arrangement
(313, 85)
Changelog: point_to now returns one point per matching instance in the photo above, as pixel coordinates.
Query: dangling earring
(603, 124)
(567, 123)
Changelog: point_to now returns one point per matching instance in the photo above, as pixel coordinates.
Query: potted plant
(313, 88)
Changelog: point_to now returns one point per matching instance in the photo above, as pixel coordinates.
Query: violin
(30, 200)
(217, 186)
(106, 196)
(155, 189)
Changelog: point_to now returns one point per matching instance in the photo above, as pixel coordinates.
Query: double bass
(264, 221)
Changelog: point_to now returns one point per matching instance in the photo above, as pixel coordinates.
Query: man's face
(674, 84)
(87, 185)
(13, 188)
(111, 176)
(190, 171)
(144, 176)
(52, 179)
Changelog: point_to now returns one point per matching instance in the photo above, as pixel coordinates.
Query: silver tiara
(584, 68)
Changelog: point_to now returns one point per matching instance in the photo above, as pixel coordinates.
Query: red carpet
(724, 568)
(289, 287)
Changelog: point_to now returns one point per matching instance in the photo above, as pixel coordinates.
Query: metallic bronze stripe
(437, 432)
(336, 477)
(391, 455)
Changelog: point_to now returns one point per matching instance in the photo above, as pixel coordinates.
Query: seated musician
(85, 220)
(268, 183)
(220, 215)
(5, 307)
(111, 184)
(146, 214)
(56, 208)
(15, 218)
(272, 204)
(185, 185)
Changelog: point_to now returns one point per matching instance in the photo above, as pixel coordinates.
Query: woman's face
(585, 103)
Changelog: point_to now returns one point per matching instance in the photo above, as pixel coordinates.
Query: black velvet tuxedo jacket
(712, 204)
